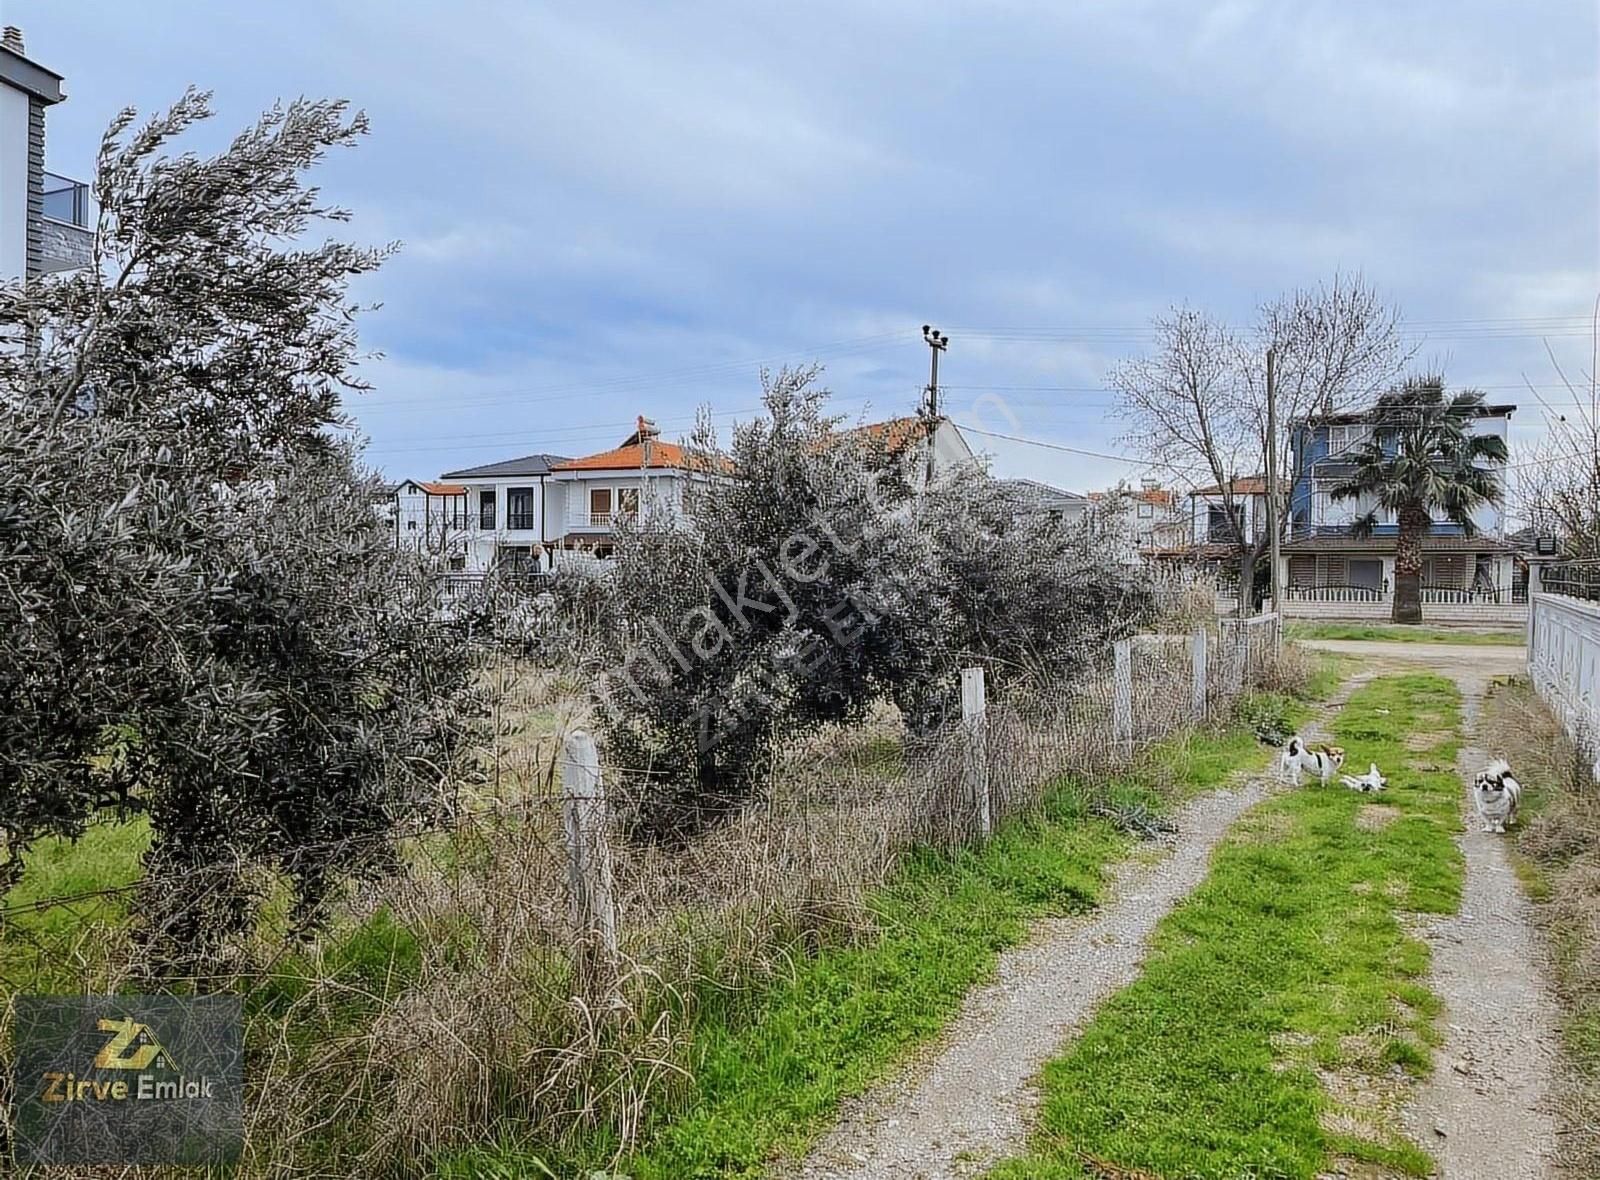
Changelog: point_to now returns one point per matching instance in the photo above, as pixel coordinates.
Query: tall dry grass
(440, 1006)
(1562, 841)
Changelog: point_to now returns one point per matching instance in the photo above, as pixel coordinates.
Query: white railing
(599, 520)
(1334, 594)
(1564, 664)
(1462, 595)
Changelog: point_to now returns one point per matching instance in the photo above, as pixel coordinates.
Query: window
(519, 509)
(486, 508)
(1146, 512)
(599, 507)
(1343, 439)
(411, 526)
(458, 563)
(628, 502)
(1219, 528)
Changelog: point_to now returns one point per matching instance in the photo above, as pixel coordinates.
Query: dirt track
(1484, 1113)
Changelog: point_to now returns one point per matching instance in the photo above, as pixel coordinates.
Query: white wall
(13, 183)
(1564, 663)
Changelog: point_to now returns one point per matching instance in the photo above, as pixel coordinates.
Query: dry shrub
(1563, 840)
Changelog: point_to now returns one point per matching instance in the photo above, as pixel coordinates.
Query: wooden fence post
(1197, 661)
(975, 721)
(583, 817)
(1122, 693)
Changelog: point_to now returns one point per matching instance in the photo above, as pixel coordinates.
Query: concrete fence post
(583, 818)
(1197, 662)
(1122, 693)
(975, 722)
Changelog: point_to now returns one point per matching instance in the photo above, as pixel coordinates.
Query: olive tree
(207, 621)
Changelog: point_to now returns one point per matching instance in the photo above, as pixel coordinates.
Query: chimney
(12, 39)
(1149, 484)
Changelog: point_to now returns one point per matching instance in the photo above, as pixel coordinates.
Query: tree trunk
(1408, 567)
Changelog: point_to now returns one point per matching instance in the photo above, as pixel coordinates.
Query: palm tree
(1422, 458)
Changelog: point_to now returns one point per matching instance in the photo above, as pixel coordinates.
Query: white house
(590, 495)
(1069, 508)
(504, 511)
(1150, 520)
(44, 219)
(542, 510)
(1224, 517)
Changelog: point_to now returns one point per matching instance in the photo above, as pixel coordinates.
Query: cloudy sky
(610, 209)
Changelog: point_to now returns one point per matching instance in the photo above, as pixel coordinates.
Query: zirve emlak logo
(132, 1046)
(98, 1079)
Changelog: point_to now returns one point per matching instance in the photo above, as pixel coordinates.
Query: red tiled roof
(896, 434)
(1244, 485)
(435, 488)
(631, 455)
(1161, 497)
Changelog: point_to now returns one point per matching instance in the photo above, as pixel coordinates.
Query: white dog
(1298, 756)
(1372, 781)
(1498, 795)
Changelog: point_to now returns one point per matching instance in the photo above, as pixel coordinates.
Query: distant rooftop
(527, 465)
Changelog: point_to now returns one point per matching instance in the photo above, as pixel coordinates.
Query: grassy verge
(771, 1071)
(1401, 634)
(106, 856)
(1284, 1002)
(1558, 859)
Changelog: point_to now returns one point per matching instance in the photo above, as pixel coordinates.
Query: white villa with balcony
(541, 511)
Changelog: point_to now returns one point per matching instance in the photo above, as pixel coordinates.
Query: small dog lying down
(1372, 781)
(1298, 756)
(1498, 795)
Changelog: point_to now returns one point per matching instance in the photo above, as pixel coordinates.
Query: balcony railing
(599, 520)
(522, 520)
(67, 200)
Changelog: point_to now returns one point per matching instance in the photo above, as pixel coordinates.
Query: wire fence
(525, 963)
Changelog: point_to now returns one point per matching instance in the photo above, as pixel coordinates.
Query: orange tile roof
(630, 456)
(1158, 496)
(435, 488)
(1244, 485)
(896, 434)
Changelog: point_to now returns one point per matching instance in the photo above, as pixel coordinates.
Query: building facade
(45, 219)
(1325, 566)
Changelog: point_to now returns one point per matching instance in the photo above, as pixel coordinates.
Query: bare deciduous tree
(1558, 489)
(1196, 403)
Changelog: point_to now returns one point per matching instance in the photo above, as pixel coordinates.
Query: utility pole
(1273, 509)
(937, 343)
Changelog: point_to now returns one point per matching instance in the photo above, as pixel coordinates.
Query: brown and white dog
(1497, 795)
(1322, 761)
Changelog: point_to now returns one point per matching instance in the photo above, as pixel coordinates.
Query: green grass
(1290, 957)
(32, 944)
(1396, 633)
(769, 1074)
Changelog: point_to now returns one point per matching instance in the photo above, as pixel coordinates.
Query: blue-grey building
(1325, 563)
